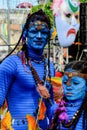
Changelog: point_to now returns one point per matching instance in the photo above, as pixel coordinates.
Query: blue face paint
(37, 36)
(76, 88)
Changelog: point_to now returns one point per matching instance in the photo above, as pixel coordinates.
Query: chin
(71, 98)
(74, 99)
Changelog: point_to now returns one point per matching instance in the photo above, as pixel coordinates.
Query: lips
(38, 42)
(69, 94)
(71, 31)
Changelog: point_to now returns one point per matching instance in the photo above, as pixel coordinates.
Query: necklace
(70, 122)
(35, 74)
(41, 59)
(38, 62)
(75, 116)
(73, 104)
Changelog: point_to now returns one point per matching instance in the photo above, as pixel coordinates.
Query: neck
(35, 55)
(74, 103)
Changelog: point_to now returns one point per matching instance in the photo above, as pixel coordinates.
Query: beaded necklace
(70, 122)
(75, 116)
(34, 72)
(60, 118)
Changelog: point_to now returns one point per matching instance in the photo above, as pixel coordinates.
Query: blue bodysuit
(19, 89)
(71, 109)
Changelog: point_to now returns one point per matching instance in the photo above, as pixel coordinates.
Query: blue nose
(68, 82)
(39, 34)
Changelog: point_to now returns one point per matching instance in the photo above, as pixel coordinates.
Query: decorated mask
(67, 20)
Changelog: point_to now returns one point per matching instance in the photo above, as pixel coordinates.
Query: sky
(14, 3)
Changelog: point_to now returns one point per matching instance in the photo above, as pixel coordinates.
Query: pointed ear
(53, 33)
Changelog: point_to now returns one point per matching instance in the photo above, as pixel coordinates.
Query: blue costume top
(71, 109)
(20, 90)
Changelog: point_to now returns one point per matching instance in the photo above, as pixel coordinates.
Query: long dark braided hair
(39, 15)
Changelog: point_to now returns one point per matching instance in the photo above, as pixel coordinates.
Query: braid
(77, 117)
(39, 15)
(25, 50)
(85, 112)
(49, 74)
(34, 73)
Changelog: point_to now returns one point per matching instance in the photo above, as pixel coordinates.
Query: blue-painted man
(23, 77)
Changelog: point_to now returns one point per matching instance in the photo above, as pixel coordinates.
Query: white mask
(67, 21)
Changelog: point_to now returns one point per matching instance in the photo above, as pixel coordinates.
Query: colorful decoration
(66, 14)
(6, 122)
(55, 80)
(42, 110)
(31, 122)
(62, 113)
(60, 116)
(57, 88)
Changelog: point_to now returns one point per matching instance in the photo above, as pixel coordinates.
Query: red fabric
(58, 74)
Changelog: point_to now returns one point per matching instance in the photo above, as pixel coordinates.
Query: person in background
(71, 112)
(23, 78)
(56, 82)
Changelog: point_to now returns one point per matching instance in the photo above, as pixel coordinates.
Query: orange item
(31, 122)
(6, 122)
(42, 110)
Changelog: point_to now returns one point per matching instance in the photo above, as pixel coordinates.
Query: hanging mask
(67, 22)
